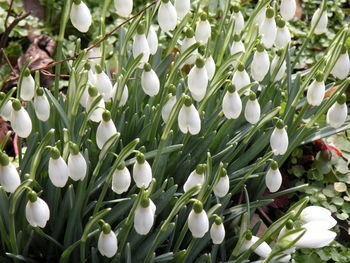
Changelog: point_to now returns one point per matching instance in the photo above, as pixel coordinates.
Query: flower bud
(149, 81)
(282, 70)
(198, 80)
(223, 185)
(167, 16)
(27, 86)
(123, 7)
(41, 105)
(96, 115)
(168, 106)
(20, 120)
(318, 214)
(6, 109)
(80, 17)
(240, 78)
(288, 9)
(252, 110)
(203, 30)
(237, 46)
(263, 250)
(144, 216)
(210, 67)
(273, 178)
(107, 242)
(239, 20)
(338, 113)
(140, 45)
(283, 35)
(105, 130)
(198, 222)
(142, 172)
(9, 177)
(37, 211)
(152, 40)
(196, 177)
(183, 7)
(342, 66)
(121, 179)
(279, 139)
(103, 83)
(231, 103)
(260, 64)
(188, 119)
(321, 26)
(217, 231)
(58, 170)
(76, 164)
(316, 91)
(268, 29)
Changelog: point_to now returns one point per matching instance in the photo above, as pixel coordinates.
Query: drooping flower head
(142, 171)
(217, 231)
(9, 177)
(188, 119)
(121, 179)
(41, 105)
(338, 112)
(37, 211)
(273, 178)
(231, 103)
(80, 16)
(279, 139)
(107, 242)
(144, 216)
(77, 166)
(198, 80)
(316, 90)
(105, 130)
(203, 29)
(58, 170)
(20, 120)
(198, 222)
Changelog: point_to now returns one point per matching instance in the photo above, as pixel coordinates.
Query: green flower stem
(227, 38)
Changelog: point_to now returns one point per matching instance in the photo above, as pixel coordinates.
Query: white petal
(314, 213)
(6, 111)
(279, 141)
(21, 122)
(150, 83)
(273, 180)
(142, 174)
(337, 115)
(105, 130)
(282, 37)
(186, 43)
(189, 120)
(77, 167)
(94, 58)
(239, 23)
(123, 7)
(240, 79)
(198, 223)
(37, 213)
(183, 7)
(222, 187)
(167, 108)
(125, 95)
(203, 32)
(144, 219)
(281, 71)
(58, 172)
(217, 233)
(152, 40)
(80, 17)
(210, 67)
(96, 115)
(121, 181)
(140, 46)
(104, 85)
(232, 105)
(321, 26)
(288, 9)
(314, 238)
(263, 250)
(27, 88)
(42, 107)
(268, 31)
(107, 244)
(260, 65)
(342, 66)
(325, 223)
(193, 180)
(260, 17)
(167, 17)
(198, 82)
(252, 111)
(9, 178)
(315, 93)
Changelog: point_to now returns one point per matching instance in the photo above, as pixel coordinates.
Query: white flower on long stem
(260, 17)
(217, 231)
(149, 81)
(321, 26)
(125, 95)
(203, 30)
(196, 177)
(210, 67)
(142, 172)
(96, 114)
(144, 216)
(261, 63)
(283, 35)
(6, 109)
(183, 7)
(252, 109)
(76, 163)
(58, 169)
(80, 16)
(342, 65)
(268, 29)
(105, 130)
(167, 16)
(263, 250)
(140, 45)
(239, 20)
(121, 179)
(41, 105)
(316, 90)
(338, 112)
(198, 222)
(107, 242)
(198, 80)
(282, 69)
(168, 106)
(279, 139)
(188, 41)
(9, 177)
(273, 178)
(123, 7)
(318, 214)
(20, 120)
(94, 58)
(188, 119)
(103, 83)
(288, 9)
(27, 86)
(231, 103)
(236, 47)
(223, 185)
(240, 78)
(152, 40)
(37, 211)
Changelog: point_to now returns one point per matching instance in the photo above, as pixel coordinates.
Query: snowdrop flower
(252, 109)
(321, 26)
(338, 112)
(95, 55)
(6, 109)
(268, 28)
(96, 115)
(217, 231)
(80, 16)
(188, 119)
(316, 90)
(239, 20)
(261, 63)
(9, 178)
(318, 214)
(231, 104)
(140, 45)
(288, 9)
(198, 222)
(58, 170)
(144, 216)
(149, 81)
(123, 7)
(76, 163)
(263, 250)
(167, 17)
(260, 17)
(240, 78)
(37, 211)
(142, 171)
(124, 97)
(210, 67)
(198, 80)
(183, 7)
(283, 35)
(279, 139)
(223, 186)
(41, 105)
(107, 242)
(152, 40)
(121, 179)
(195, 178)
(105, 130)
(168, 106)
(342, 65)
(273, 178)
(20, 120)
(188, 41)
(275, 63)
(27, 86)
(203, 30)
(103, 83)
(236, 47)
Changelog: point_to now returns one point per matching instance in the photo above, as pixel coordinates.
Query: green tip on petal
(26, 73)
(106, 228)
(343, 50)
(274, 165)
(16, 105)
(198, 207)
(248, 235)
(319, 77)
(203, 16)
(260, 47)
(4, 159)
(235, 8)
(341, 99)
(106, 116)
(140, 29)
(145, 202)
(218, 221)
(252, 96)
(121, 166)
(223, 172)
(189, 33)
(236, 38)
(147, 67)
(200, 62)
(279, 52)
(55, 153)
(280, 124)
(200, 169)
(74, 149)
(87, 66)
(172, 89)
(188, 101)
(77, 2)
(270, 12)
(32, 196)
(98, 68)
(140, 158)
(290, 224)
(92, 91)
(231, 88)
(40, 92)
(240, 67)
(280, 22)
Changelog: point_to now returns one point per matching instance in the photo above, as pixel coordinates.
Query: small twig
(47, 73)
(7, 60)
(8, 13)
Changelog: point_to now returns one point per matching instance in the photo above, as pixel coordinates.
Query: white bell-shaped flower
(183, 7)
(37, 211)
(288, 9)
(198, 222)
(140, 45)
(273, 178)
(96, 114)
(167, 16)
(123, 7)
(237, 47)
(80, 16)
(316, 90)
(231, 103)
(223, 185)
(168, 106)
(91, 82)
(188, 41)
(203, 30)
(76, 163)
(342, 65)
(321, 26)
(142, 172)
(107, 242)
(196, 177)
(95, 55)
(260, 17)
(318, 214)
(240, 78)
(283, 35)
(261, 63)
(279, 139)
(152, 40)
(144, 216)
(210, 67)
(217, 231)
(105, 130)
(58, 169)
(338, 113)
(149, 81)
(239, 20)
(282, 69)
(6, 109)
(103, 83)
(252, 109)
(20, 120)
(121, 179)
(263, 250)
(268, 29)
(27, 86)
(9, 177)
(125, 95)
(198, 80)
(41, 105)
(188, 119)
